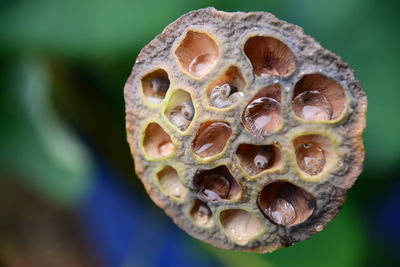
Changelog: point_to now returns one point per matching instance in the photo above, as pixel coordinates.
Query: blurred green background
(69, 195)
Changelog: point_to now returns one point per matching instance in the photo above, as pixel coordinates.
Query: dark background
(68, 192)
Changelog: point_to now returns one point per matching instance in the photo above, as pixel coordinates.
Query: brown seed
(262, 116)
(211, 138)
(312, 105)
(311, 158)
(282, 212)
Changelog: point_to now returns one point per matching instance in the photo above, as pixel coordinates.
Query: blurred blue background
(68, 192)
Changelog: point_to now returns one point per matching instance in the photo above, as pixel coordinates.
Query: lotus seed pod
(244, 129)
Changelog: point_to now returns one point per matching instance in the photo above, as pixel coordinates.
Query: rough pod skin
(244, 129)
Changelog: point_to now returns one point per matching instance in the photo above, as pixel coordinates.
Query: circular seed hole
(314, 153)
(262, 114)
(198, 53)
(285, 204)
(318, 98)
(255, 158)
(170, 183)
(240, 225)
(227, 89)
(201, 214)
(157, 142)
(211, 138)
(269, 56)
(217, 184)
(180, 110)
(155, 85)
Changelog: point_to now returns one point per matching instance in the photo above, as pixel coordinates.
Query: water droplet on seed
(310, 158)
(282, 212)
(202, 64)
(262, 116)
(312, 105)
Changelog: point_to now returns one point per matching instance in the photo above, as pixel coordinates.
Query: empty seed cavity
(262, 114)
(217, 184)
(201, 214)
(270, 56)
(285, 204)
(258, 158)
(227, 90)
(240, 225)
(197, 53)
(155, 85)
(211, 138)
(318, 98)
(180, 110)
(157, 142)
(313, 153)
(170, 183)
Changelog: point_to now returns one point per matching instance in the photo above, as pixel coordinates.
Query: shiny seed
(282, 212)
(310, 158)
(262, 116)
(211, 139)
(312, 105)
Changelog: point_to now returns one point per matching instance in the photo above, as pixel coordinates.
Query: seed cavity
(240, 225)
(227, 89)
(262, 114)
(180, 110)
(257, 158)
(198, 53)
(269, 56)
(201, 214)
(285, 204)
(155, 85)
(157, 142)
(171, 184)
(217, 184)
(211, 138)
(318, 98)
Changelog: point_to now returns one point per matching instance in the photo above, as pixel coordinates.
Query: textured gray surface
(231, 30)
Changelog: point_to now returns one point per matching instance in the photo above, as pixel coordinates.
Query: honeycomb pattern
(248, 137)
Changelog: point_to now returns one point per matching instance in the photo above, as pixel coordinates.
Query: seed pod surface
(244, 129)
